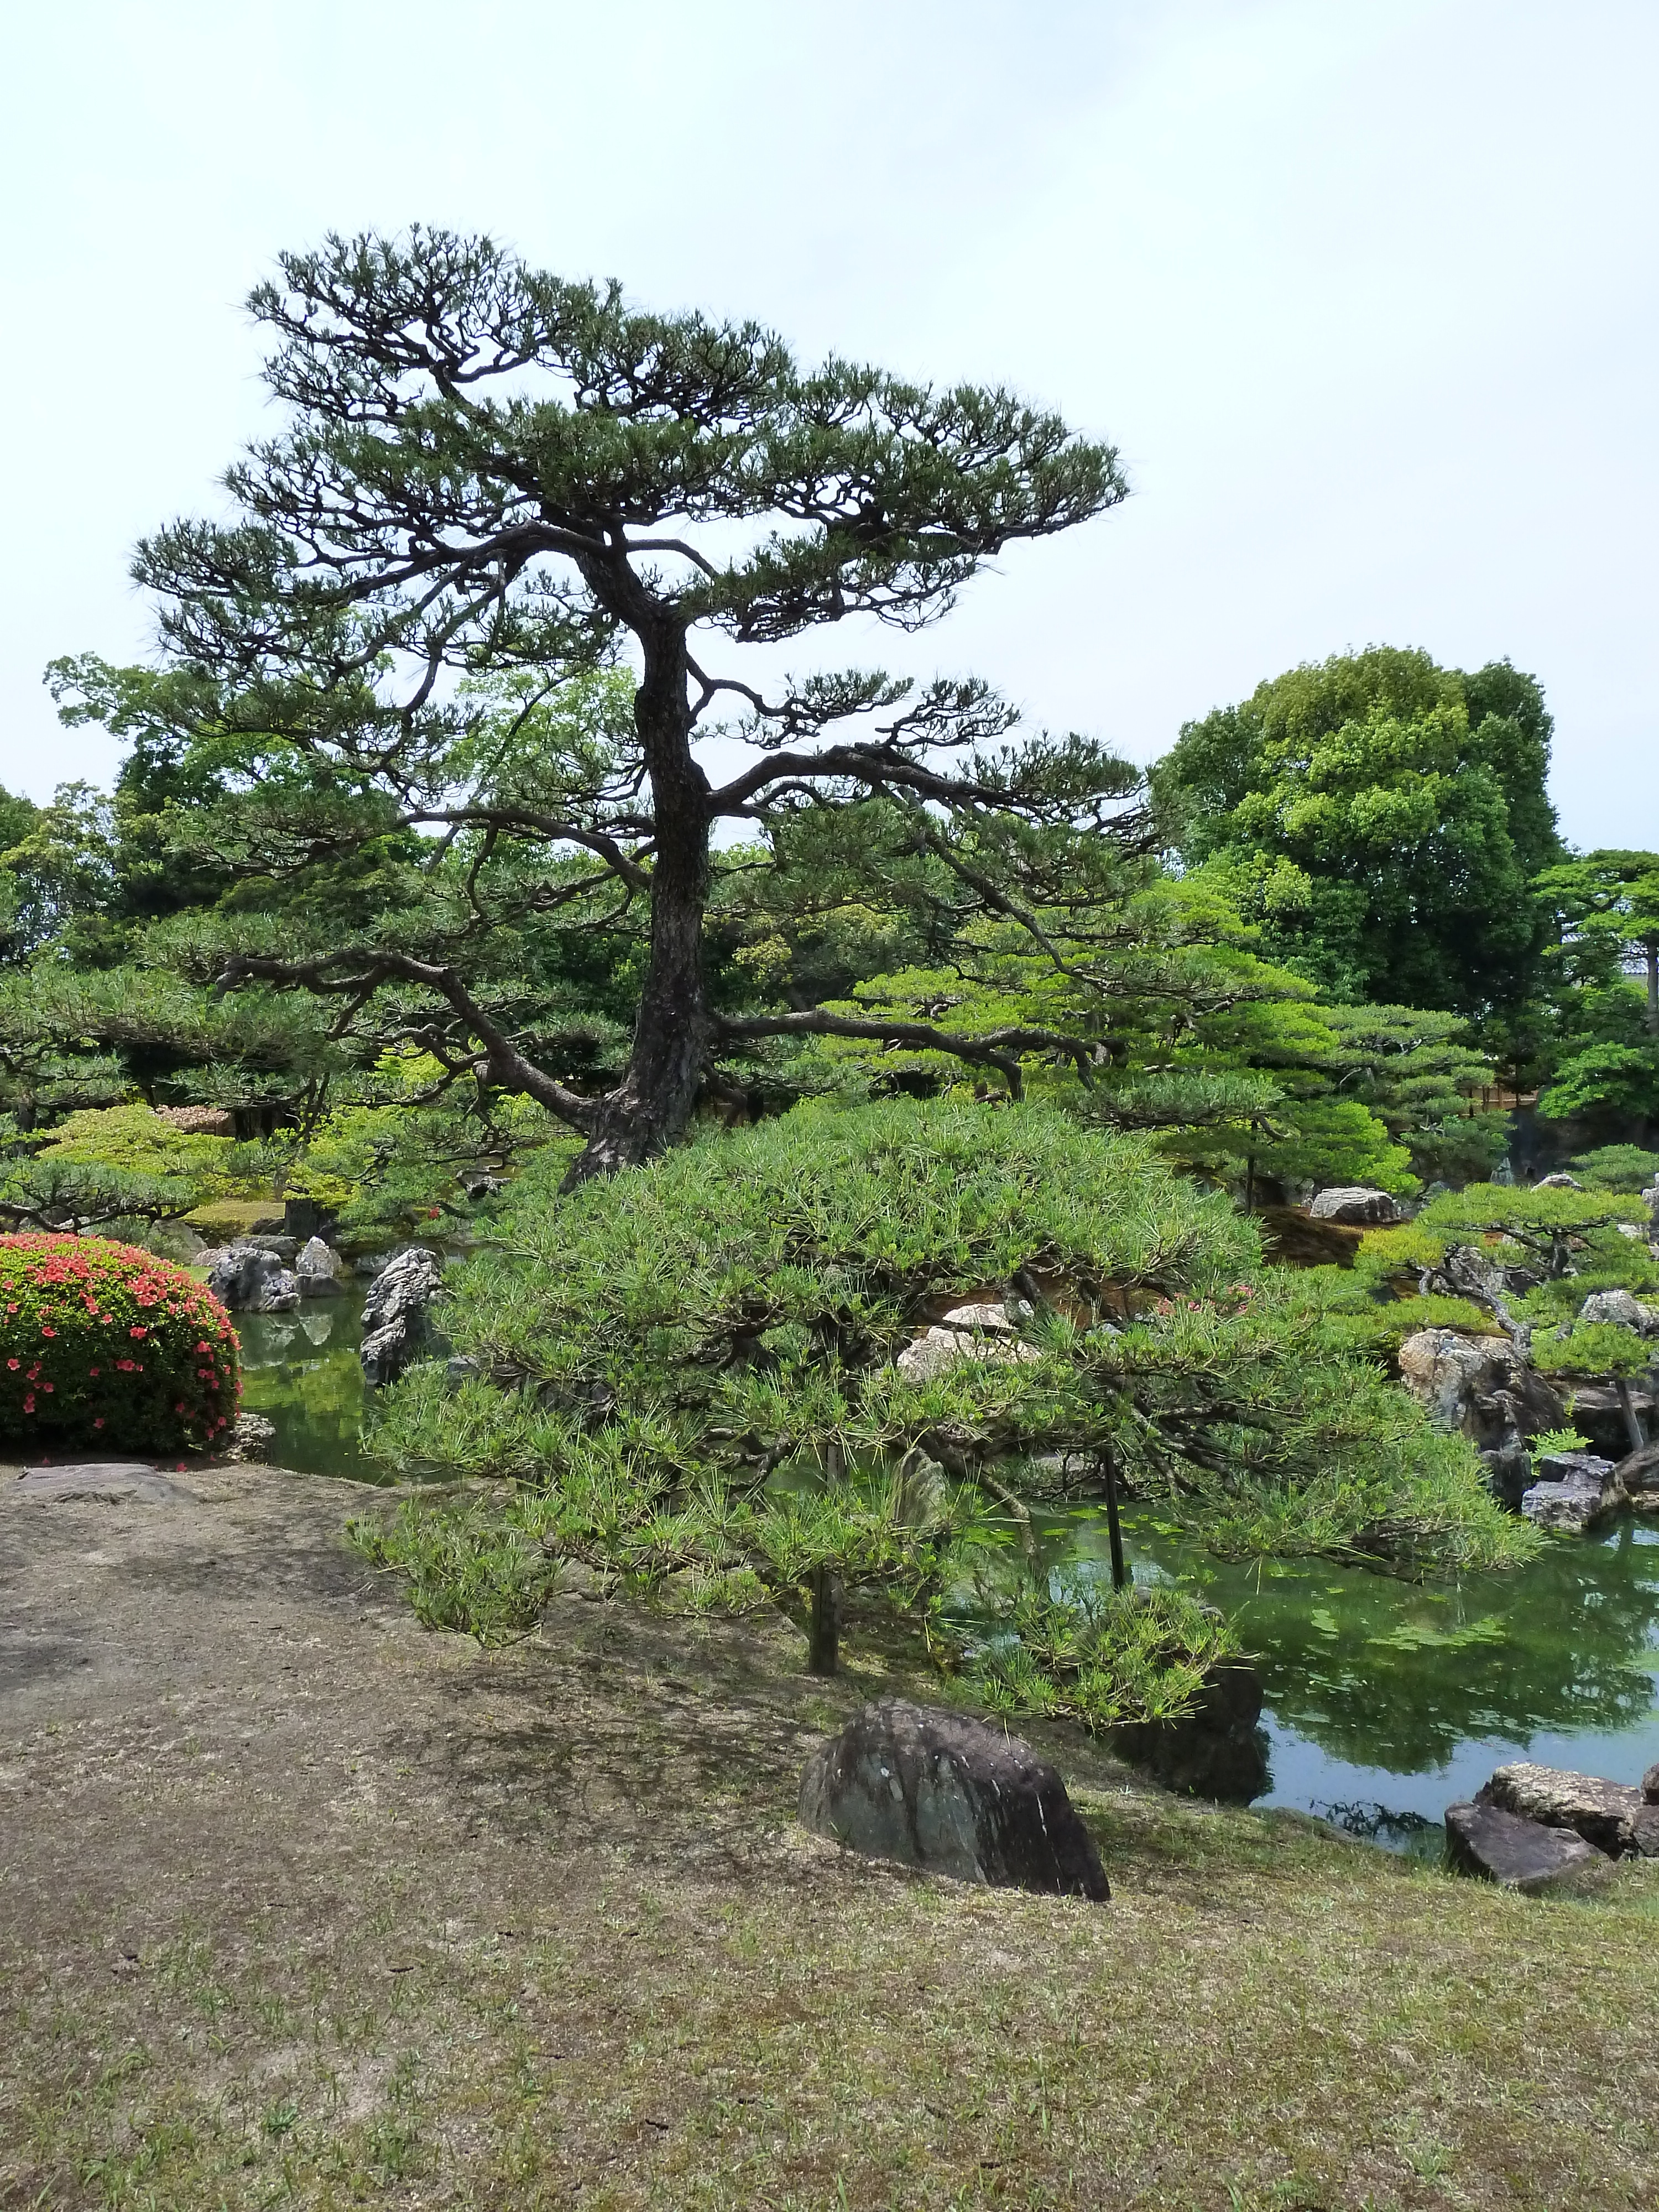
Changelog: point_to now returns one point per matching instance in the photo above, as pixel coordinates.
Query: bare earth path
(301, 1905)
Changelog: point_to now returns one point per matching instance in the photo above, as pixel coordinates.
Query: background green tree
(1386, 816)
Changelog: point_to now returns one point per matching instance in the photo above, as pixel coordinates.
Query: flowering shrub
(102, 1344)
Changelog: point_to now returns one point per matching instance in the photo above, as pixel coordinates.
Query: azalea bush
(104, 1345)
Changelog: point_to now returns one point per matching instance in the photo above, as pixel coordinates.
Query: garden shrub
(104, 1345)
(686, 1376)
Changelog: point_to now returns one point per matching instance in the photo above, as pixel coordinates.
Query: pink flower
(99, 1423)
(28, 1403)
(134, 1331)
(13, 1363)
(48, 1332)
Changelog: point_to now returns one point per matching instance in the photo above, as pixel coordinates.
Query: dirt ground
(302, 1904)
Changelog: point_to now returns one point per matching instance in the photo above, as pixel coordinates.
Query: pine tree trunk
(652, 1104)
(824, 1635)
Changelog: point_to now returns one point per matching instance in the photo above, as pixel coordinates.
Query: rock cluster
(1529, 1826)
(1622, 1308)
(950, 1794)
(1483, 1388)
(252, 1278)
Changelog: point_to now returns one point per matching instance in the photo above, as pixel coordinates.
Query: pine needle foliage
(687, 1379)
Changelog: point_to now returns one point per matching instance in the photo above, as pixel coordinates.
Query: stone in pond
(1650, 1784)
(1574, 1490)
(318, 1270)
(942, 1791)
(1520, 1854)
(1612, 1815)
(248, 1278)
(395, 1326)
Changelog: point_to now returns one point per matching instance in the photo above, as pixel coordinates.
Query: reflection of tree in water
(1391, 1674)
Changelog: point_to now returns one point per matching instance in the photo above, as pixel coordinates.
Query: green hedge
(104, 1345)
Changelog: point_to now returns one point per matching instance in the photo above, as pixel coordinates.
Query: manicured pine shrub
(104, 1345)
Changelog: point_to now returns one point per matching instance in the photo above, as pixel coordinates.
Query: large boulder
(942, 1791)
(1482, 1388)
(319, 1270)
(396, 1328)
(250, 1279)
(1357, 1206)
(1614, 1816)
(1574, 1490)
(1482, 1839)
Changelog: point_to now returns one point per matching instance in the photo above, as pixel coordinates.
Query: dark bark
(824, 1637)
(1650, 947)
(652, 1104)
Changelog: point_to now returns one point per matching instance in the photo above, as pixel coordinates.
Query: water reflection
(300, 1372)
(1386, 1699)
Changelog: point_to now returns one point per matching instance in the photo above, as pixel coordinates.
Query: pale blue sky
(1364, 293)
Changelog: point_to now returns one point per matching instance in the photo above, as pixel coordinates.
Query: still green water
(1382, 1698)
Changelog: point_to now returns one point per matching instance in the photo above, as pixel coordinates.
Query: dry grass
(300, 1905)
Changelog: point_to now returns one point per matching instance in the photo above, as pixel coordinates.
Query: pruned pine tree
(488, 469)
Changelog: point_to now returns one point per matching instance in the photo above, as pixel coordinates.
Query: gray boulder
(1559, 1181)
(1620, 1308)
(942, 1791)
(1614, 1816)
(1637, 1474)
(1574, 1490)
(319, 1270)
(396, 1327)
(249, 1278)
(1482, 1839)
(1357, 1206)
(1651, 1785)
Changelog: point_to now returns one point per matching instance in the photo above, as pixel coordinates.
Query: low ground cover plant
(103, 1345)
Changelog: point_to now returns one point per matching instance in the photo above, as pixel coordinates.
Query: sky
(1365, 296)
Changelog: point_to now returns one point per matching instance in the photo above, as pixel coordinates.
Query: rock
(372, 1263)
(1216, 1751)
(1559, 1181)
(112, 1482)
(1650, 1784)
(1598, 1414)
(1637, 1473)
(316, 1329)
(250, 1438)
(1482, 1387)
(395, 1324)
(247, 1279)
(930, 1355)
(1620, 1308)
(1007, 1315)
(1614, 1816)
(319, 1270)
(1520, 1854)
(1575, 1490)
(947, 1793)
(199, 1120)
(478, 1185)
(1356, 1205)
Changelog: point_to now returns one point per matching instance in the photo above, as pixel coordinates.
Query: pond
(1385, 1701)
